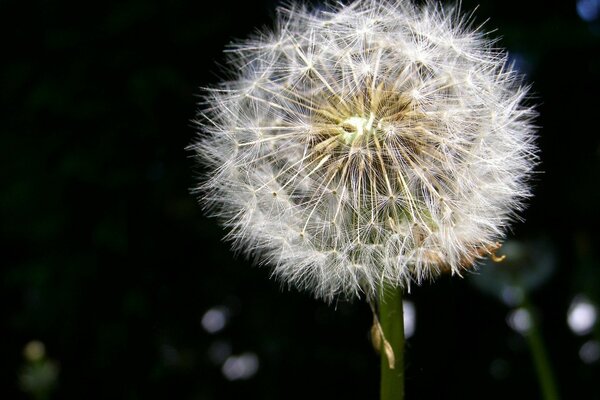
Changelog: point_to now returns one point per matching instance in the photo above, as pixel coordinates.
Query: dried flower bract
(378, 143)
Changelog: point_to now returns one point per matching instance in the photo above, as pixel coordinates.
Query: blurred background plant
(39, 374)
(108, 260)
(523, 268)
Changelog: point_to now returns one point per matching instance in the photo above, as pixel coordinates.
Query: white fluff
(377, 143)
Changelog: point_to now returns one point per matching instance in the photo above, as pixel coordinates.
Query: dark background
(108, 260)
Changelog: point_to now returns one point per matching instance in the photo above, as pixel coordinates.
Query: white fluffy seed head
(372, 144)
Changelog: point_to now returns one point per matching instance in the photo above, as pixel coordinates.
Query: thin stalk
(392, 325)
(540, 357)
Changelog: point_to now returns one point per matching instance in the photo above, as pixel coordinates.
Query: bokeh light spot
(410, 317)
(215, 319)
(590, 352)
(239, 367)
(582, 315)
(588, 10)
(34, 351)
(512, 295)
(519, 320)
(520, 62)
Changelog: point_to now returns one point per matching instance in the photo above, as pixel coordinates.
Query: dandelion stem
(540, 357)
(392, 325)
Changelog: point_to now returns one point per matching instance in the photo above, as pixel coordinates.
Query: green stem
(540, 357)
(392, 325)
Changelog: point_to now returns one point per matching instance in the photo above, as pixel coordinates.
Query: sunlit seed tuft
(368, 144)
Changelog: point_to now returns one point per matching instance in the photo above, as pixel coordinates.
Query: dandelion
(361, 148)
(366, 145)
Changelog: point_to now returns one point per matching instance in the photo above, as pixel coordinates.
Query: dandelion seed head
(366, 144)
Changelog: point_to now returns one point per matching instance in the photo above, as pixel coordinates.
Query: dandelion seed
(377, 143)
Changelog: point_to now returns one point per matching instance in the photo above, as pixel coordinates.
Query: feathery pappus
(369, 144)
